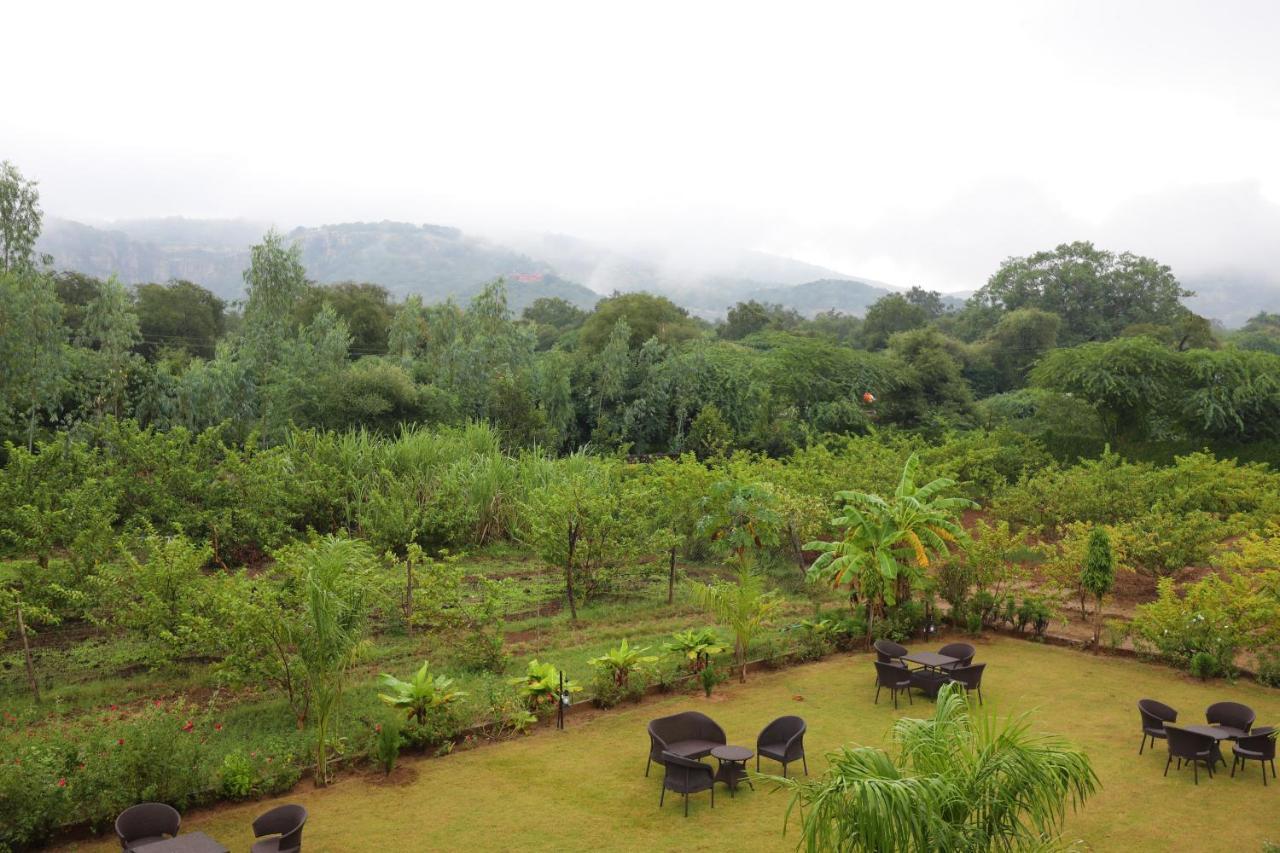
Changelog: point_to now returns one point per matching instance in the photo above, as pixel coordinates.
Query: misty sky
(917, 143)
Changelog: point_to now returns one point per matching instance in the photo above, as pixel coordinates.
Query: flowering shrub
(1215, 618)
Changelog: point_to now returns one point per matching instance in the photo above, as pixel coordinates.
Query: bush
(710, 677)
(815, 638)
(237, 776)
(1117, 630)
(903, 622)
(1034, 613)
(384, 745)
(1204, 665)
(1268, 667)
(974, 623)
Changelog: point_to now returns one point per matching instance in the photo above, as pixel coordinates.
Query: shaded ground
(585, 789)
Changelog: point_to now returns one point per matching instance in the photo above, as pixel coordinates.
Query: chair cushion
(692, 748)
(776, 751)
(147, 839)
(1247, 753)
(1160, 732)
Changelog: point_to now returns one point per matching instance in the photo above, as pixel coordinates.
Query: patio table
(187, 842)
(930, 660)
(733, 766)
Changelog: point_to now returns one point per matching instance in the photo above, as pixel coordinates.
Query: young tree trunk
(1097, 625)
(671, 578)
(408, 595)
(26, 653)
(742, 660)
(568, 571)
(322, 752)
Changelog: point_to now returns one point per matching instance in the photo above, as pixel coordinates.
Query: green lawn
(585, 788)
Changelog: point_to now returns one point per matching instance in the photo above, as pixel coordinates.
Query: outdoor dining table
(188, 842)
(1219, 734)
(930, 660)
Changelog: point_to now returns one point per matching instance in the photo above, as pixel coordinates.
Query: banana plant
(699, 645)
(623, 661)
(540, 685)
(420, 694)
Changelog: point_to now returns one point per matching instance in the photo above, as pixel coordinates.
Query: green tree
(275, 282)
(364, 307)
(667, 500)
(20, 219)
(1019, 339)
(179, 315)
(886, 546)
(1098, 574)
(1129, 382)
(647, 316)
(33, 352)
(109, 333)
(889, 315)
(1096, 293)
(569, 517)
(747, 318)
(953, 783)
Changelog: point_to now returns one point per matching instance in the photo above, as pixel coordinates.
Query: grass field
(585, 789)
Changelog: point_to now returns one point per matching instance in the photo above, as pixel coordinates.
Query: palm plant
(743, 605)
(421, 694)
(887, 544)
(623, 661)
(956, 783)
(699, 645)
(540, 685)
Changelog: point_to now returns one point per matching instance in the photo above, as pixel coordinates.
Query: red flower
(157, 703)
(115, 707)
(120, 742)
(378, 728)
(217, 727)
(189, 726)
(62, 783)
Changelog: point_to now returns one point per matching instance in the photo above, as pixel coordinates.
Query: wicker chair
(1154, 716)
(969, 677)
(1259, 746)
(147, 822)
(686, 776)
(887, 651)
(783, 741)
(689, 734)
(962, 652)
(895, 679)
(1191, 747)
(1231, 714)
(279, 830)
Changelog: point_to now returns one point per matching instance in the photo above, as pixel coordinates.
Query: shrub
(974, 623)
(620, 664)
(236, 777)
(902, 623)
(384, 745)
(1268, 667)
(1204, 665)
(1033, 613)
(1116, 631)
(815, 638)
(697, 646)
(710, 677)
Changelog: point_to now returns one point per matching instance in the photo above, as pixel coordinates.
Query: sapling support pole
(560, 697)
(26, 654)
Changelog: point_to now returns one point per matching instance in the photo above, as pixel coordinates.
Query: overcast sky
(917, 143)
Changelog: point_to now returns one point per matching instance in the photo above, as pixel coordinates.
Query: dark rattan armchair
(893, 678)
(147, 822)
(962, 652)
(1191, 747)
(1259, 746)
(887, 651)
(280, 830)
(783, 741)
(969, 677)
(686, 776)
(1231, 714)
(689, 734)
(1154, 716)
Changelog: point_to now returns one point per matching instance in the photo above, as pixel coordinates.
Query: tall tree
(275, 281)
(20, 219)
(1096, 293)
(33, 351)
(889, 315)
(179, 315)
(1098, 574)
(109, 332)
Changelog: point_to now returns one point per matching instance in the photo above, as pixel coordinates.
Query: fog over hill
(440, 262)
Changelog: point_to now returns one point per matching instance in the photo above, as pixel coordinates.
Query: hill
(433, 261)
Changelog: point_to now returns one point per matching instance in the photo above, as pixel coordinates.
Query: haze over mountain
(438, 262)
